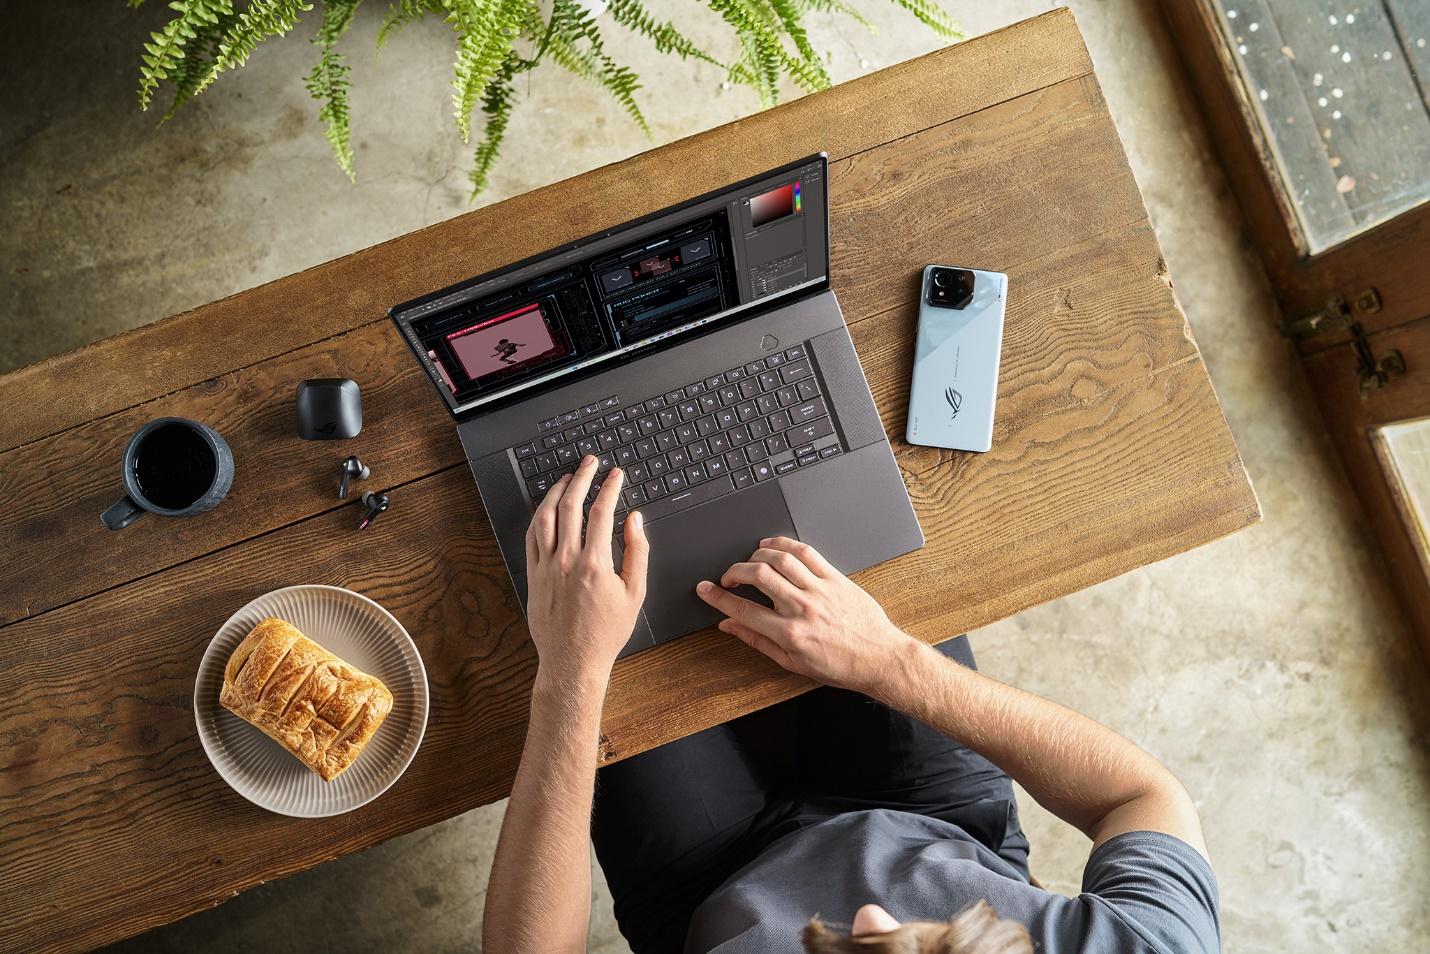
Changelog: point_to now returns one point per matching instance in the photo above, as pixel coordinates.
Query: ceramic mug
(173, 467)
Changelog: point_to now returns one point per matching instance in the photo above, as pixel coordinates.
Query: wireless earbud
(352, 468)
(375, 503)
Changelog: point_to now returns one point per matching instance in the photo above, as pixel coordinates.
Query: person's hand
(822, 625)
(580, 611)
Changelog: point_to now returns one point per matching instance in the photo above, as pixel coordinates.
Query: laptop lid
(617, 295)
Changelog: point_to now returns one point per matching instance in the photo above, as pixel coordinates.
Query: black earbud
(352, 468)
(376, 503)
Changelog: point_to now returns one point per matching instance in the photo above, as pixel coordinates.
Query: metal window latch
(1373, 373)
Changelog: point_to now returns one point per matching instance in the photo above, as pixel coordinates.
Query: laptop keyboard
(754, 422)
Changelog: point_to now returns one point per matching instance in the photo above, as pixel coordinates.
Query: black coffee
(174, 466)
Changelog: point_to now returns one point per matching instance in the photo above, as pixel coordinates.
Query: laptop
(701, 350)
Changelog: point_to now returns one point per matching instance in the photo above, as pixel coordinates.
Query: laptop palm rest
(701, 544)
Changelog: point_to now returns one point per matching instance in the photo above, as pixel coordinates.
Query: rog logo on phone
(954, 399)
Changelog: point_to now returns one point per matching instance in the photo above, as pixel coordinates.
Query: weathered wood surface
(1110, 452)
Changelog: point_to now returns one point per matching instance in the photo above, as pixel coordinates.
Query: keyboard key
(545, 462)
(777, 444)
(689, 409)
(594, 426)
(614, 418)
(786, 467)
(829, 451)
(675, 480)
(774, 360)
(573, 433)
(756, 452)
(762, 471)
(549, 423)
(586, 445)
(806, 459)
(633, 410)
(685, 433)
(627, 432)
(746, 411)
(550, 441)
(759, 429)
(755, 367)
(678, 458)
(633, 496)
(813, 431)
(749, 388)
(570, 417)
(806, 449)
(539, 486)
(665, 440)
(655, 404)
(705, 426)
(719, 444)
(779, 420)
(590, 409)
(714, 381)
(528, 467)
(730, 394)
(787, 396)
(734, 374)
(525, 451)
(809, 410)
(667, 417)
(735, 460)
(767, 404)
(693, 389)
(645, 447)
(698, 450)
(709, 402)
(743, 478)
(637, 473)
(610, 403)
(715, 466)
(739, 436)
(674, 397)
(796, 370)
(654, 489)
(657, 465)
(606, 440)
(795, 353)
(769, 380)
(695, 474)
(808, 388)
(604, 463)
(726, 418)
(648, 424)
(625, 456)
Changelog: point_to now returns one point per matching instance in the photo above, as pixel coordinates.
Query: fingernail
(588, 459)
(766, 541)
(705, 586)
(639, 520)
(566, 478)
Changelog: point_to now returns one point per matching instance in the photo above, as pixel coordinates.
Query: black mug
(173, 467)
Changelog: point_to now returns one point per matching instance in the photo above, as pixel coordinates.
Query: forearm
(539, 893)
(1081, 771)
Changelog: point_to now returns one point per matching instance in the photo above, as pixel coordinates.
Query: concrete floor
(1270, 670)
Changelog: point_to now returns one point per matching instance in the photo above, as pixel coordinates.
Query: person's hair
(978, 930)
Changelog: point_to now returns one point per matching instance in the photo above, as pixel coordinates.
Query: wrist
(572, 679)
(894, 679)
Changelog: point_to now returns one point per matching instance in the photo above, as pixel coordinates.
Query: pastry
(306, 699)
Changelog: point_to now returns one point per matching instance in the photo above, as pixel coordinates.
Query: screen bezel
(620, 356)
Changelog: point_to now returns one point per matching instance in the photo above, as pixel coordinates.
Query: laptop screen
(585, 306)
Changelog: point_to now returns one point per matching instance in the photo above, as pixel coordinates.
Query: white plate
(355, 629)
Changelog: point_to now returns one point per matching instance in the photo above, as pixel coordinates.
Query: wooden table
(1110, 452)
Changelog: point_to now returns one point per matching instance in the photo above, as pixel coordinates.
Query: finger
(571, 513)
(788, 565)
(543, 522)
(603, 514)
(762, 619)
(754, 640)
(764, 578)
(633, 564)
(805, 553)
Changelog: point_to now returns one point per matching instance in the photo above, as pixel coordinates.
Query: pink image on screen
(507, 341)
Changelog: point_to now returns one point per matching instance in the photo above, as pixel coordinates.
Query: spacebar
(665, 506)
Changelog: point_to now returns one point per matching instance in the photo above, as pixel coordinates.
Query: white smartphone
(960, 337)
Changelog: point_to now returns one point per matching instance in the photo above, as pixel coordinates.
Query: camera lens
(940, 279)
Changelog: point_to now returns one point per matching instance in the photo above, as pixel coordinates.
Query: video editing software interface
(625, 290)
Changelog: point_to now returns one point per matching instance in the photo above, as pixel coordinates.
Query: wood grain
(1110, 452)
(329, 299)
(52, 490)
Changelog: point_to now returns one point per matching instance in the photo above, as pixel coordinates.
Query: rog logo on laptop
(954, 399)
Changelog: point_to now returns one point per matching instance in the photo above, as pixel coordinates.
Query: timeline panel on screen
(609, 295)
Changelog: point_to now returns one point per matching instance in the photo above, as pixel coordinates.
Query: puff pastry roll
(312, 703)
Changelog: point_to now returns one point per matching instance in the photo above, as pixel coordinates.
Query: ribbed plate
(355, 629)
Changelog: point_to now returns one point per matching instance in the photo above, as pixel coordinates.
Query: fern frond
(840, 7)
(497, 104)
(632, 15)
(933, 16)
(791, 15)
(574, 41)
(486, 31)
(199, 54)
(402, 13)
(328, 82)
(164, 52)
(262, 19)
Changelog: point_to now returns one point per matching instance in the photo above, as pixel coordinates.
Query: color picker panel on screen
(770, 206)
(508, 341)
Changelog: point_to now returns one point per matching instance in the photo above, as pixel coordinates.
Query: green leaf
(164, 53)
(328, 82)
(262, 19)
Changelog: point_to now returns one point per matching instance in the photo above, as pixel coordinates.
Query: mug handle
(122, 514)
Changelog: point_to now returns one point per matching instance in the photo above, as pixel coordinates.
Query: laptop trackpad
(701, 544)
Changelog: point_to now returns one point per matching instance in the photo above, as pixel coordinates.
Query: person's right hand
(822, 626)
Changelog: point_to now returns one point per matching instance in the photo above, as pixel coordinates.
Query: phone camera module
(950, 288)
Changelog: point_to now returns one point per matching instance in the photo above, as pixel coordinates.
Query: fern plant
(497, 41)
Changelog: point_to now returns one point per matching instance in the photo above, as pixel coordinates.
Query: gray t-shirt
(1141, 891)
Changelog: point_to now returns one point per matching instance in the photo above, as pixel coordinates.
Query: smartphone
(960, 337)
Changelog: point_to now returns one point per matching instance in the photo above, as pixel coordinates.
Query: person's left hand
(581, 612)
